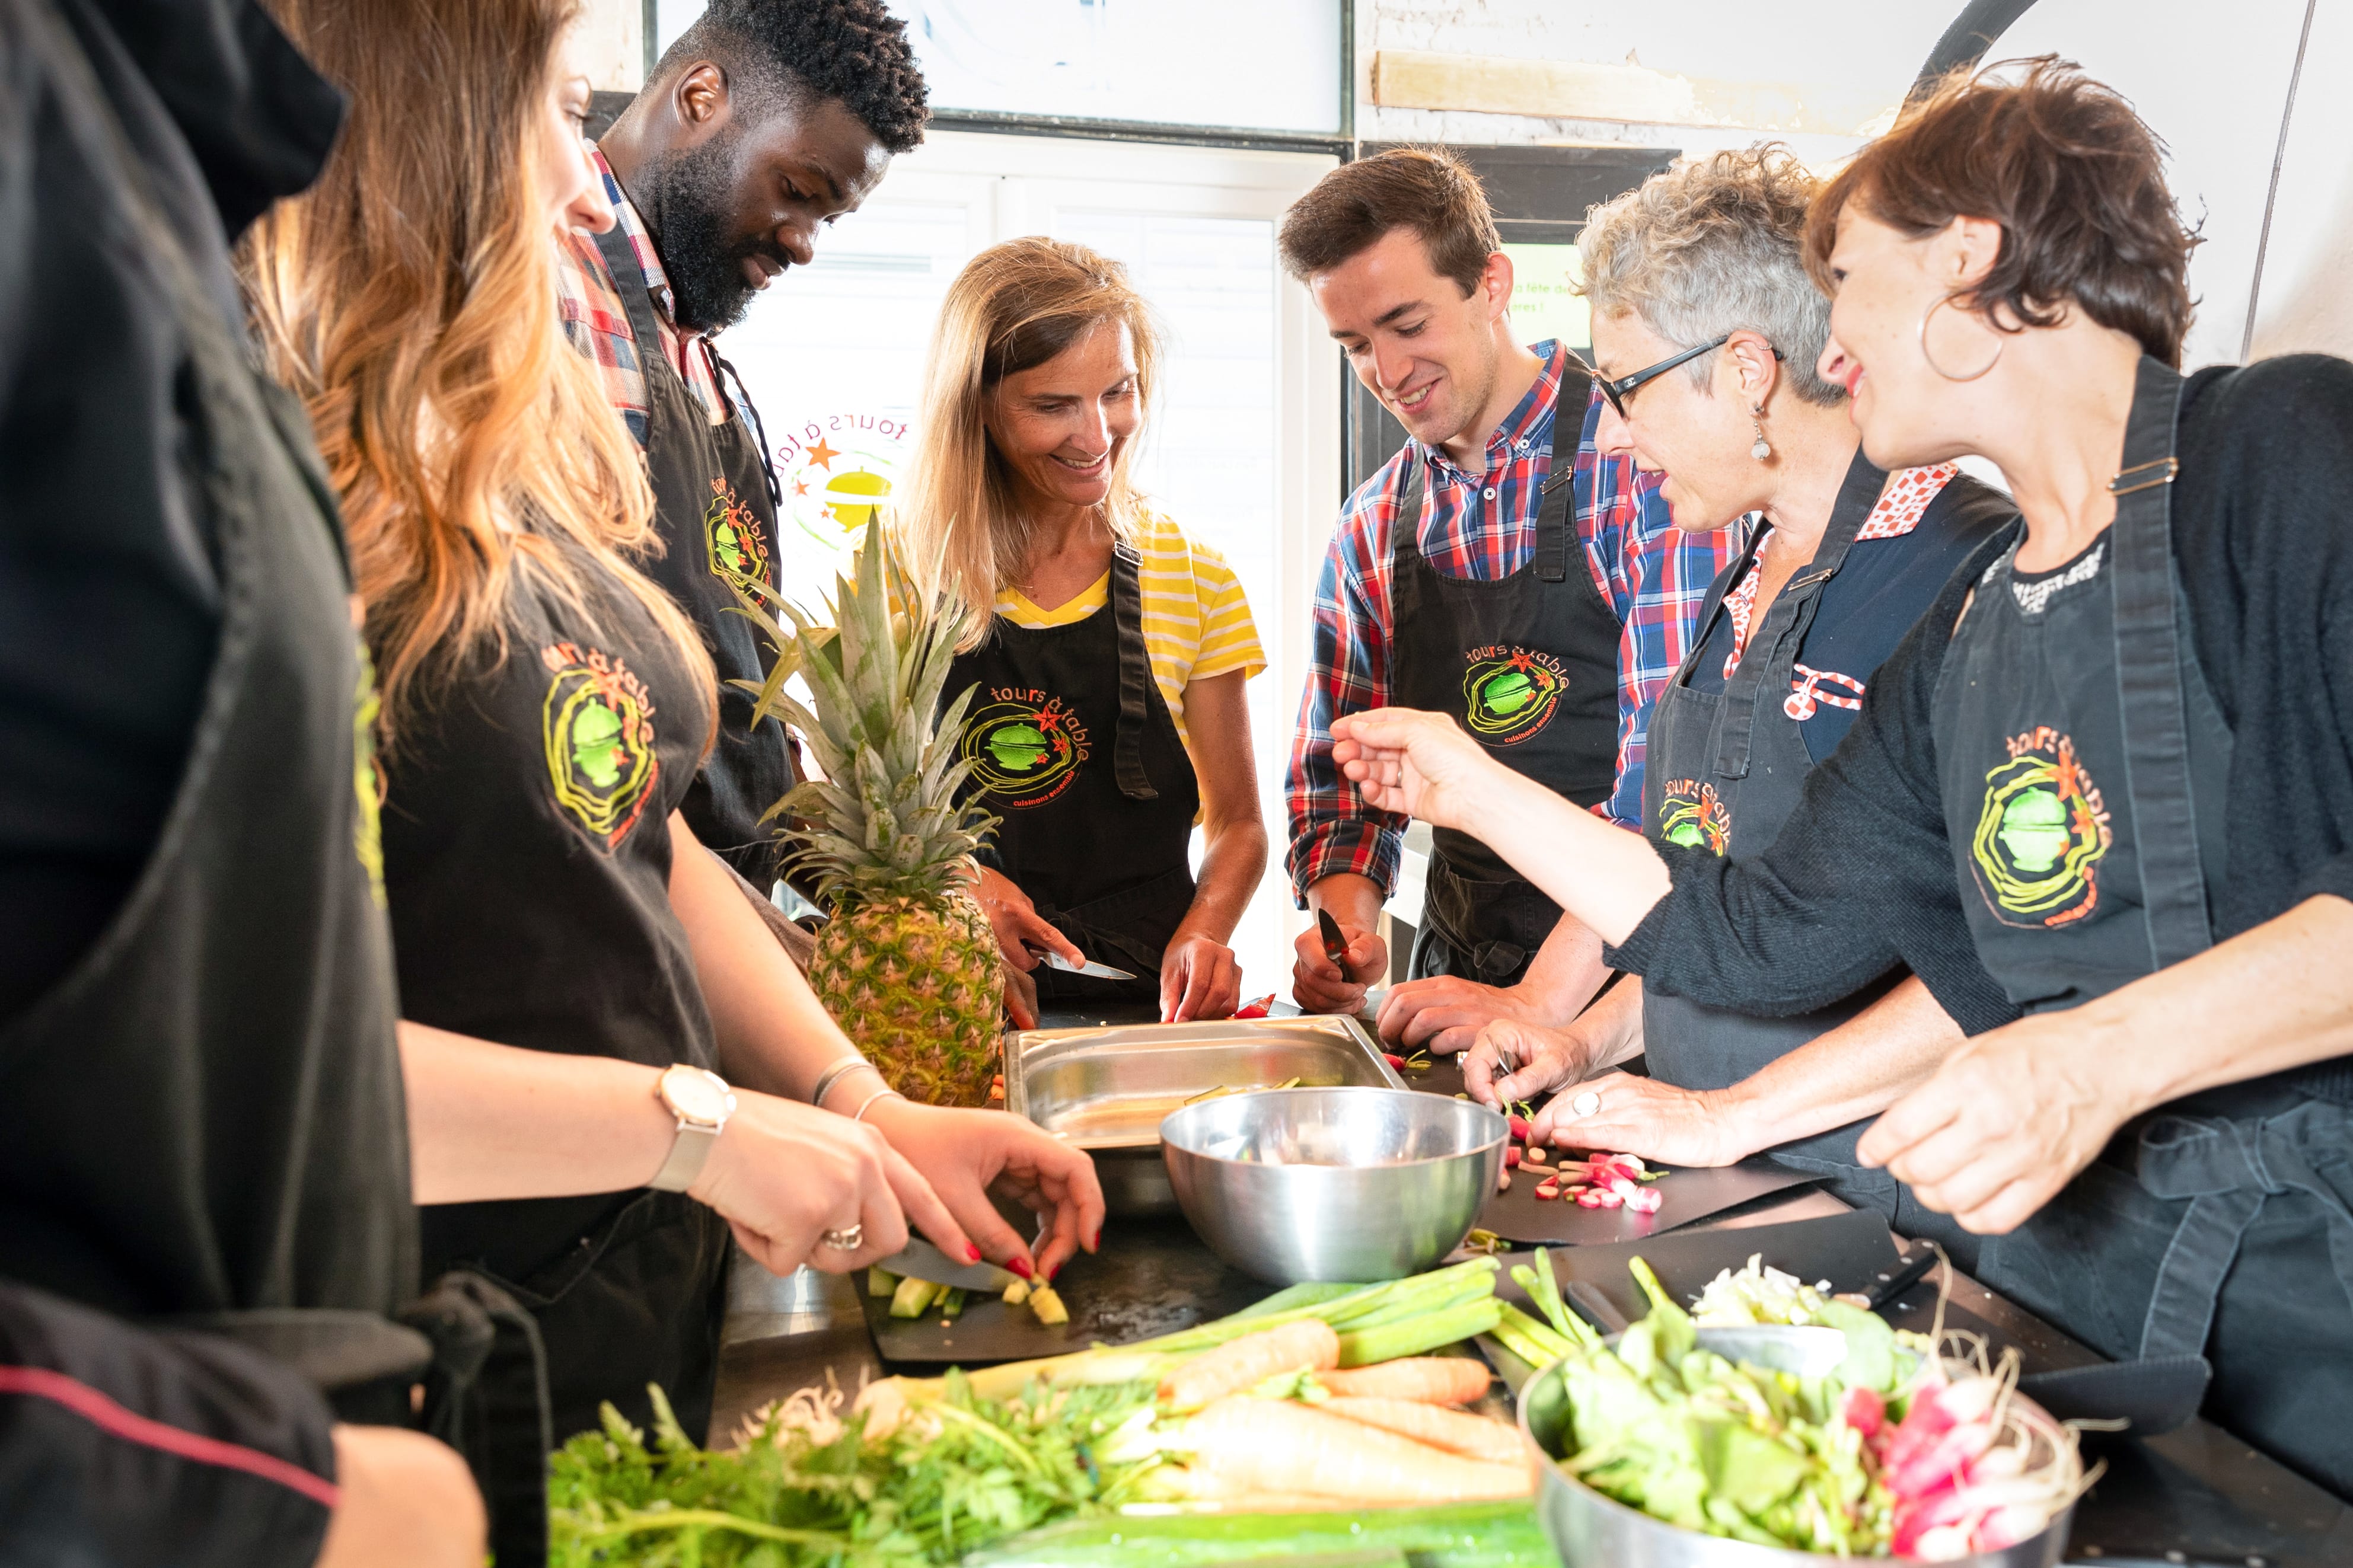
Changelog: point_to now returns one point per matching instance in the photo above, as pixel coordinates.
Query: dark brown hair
(2072, 175)
(1425, 189)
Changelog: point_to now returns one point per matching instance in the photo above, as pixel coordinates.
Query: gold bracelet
(859, 1115)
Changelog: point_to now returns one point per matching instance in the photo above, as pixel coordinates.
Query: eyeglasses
(1618, 391)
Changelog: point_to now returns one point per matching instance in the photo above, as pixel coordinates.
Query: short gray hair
(1711, 246)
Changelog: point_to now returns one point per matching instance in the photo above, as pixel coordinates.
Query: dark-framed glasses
(1620, 390)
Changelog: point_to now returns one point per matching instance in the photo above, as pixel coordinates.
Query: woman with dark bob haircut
(2116, 751)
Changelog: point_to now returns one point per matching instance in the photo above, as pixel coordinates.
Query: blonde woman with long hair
(1111, 716)
(544, 708)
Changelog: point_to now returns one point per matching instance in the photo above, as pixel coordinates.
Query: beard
(687, 197)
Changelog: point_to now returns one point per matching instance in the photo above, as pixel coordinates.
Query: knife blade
(1100, 971)
(925, 1261)
(1335, 940)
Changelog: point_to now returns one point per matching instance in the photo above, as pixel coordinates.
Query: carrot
(1307, 1345)
(1431, 1379)
(1472, 1436)
(1276, 1446)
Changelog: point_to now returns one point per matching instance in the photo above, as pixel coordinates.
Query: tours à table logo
(1692, 815)
(2040, 834)
(738, 545)
(837, 469)
(1025, 746)
(1509, 693)
(597, 724)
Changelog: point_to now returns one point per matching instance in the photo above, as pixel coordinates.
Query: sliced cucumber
(913, 1297)
(880, 1282)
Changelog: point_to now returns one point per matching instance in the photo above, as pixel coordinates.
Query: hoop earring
(1762, 449)
(1999, 345)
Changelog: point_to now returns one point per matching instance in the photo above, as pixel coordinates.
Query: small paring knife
(1335, 940)
(1100, 971)
(924, 1261)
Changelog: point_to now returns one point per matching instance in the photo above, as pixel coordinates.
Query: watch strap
(688, 1154)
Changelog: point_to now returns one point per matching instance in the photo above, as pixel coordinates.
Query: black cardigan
(1860, 876)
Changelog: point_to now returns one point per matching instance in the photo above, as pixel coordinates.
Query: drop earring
(1762, 449)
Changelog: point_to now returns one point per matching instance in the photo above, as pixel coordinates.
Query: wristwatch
(702, 1103)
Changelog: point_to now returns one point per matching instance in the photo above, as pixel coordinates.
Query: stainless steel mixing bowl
(1333, 1184)
(1590, 1530)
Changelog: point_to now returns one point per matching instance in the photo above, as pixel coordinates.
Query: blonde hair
(410, 297)
(1014, 307)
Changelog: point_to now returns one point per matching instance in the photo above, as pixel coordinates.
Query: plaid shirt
(597, 320)
(1655, 575)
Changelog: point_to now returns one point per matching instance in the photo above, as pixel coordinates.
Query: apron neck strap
(1134, 672)
(1555, 516)
(637, 298)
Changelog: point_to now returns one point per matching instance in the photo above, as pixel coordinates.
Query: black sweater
(1860, 876)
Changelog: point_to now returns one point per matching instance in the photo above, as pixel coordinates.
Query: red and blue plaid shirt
(1655, 575)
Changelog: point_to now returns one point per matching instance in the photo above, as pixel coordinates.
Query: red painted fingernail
(974, 1251)
(1051, 1272)
(1019, 1265)
(1096, 1242)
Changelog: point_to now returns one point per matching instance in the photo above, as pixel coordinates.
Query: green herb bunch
(958, 1474)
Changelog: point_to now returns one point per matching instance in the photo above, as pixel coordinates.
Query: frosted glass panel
(1265, 64)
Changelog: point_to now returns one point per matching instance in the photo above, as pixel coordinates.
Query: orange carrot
(1472, 1436)
(1307, 1345)
(1429, 1379)
(1280, 1446)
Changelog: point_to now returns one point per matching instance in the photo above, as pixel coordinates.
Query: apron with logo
(1074, 750)
(716, 506)
(2084, 767)
(1528, 665)
(1724, 770)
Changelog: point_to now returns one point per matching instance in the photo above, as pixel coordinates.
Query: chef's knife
(925, 1261)
(1100, 971)
(1335, 940)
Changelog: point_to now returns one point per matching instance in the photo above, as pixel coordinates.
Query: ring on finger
(844, 1238)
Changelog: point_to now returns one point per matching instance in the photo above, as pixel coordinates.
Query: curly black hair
(851, 50)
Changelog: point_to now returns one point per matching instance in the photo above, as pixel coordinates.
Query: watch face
(697, 1095)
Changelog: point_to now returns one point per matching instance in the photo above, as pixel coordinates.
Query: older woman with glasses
(1706, 332)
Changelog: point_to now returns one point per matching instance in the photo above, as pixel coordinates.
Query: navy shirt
(1927, 521)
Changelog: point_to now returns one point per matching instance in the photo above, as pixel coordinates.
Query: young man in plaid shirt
(1496, 569)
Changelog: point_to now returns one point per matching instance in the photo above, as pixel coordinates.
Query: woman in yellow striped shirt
(1099, 739)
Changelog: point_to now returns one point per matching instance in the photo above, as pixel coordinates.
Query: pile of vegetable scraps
(1321, 1397)
(1897, 1452)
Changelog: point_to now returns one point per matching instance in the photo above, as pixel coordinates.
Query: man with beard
(765, 119)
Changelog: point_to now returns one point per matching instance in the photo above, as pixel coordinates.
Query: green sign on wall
(1542, 305)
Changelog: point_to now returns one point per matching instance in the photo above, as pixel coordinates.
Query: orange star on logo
(800, 486)
(823, 455)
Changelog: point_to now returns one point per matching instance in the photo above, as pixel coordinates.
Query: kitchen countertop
(2196, 1496)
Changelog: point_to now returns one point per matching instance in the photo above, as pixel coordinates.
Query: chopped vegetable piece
(1047, 1306)
(1448, 1535)
(1520, 1129)
(1017, 1292)
(1395, 1061)
(1431, 1380)
(913, 1297)
(1472, 1436)
(880, 1282)
(1511, 1157)
(1309, 1345)
(1535, 1154)
(1547, 1191)
(951, 1304)
(1258, 1444)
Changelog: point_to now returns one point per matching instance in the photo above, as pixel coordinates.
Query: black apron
(221, 1142)
(715, 505)
(1099, 839)
(1528, 663)
(1724, 770)
(527, 854)
(2083, 767)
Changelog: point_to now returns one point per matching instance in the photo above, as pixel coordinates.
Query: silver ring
(1584, 1104)
(848, 1239)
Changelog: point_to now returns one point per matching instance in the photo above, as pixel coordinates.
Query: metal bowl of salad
(1739, 1446)
(1294, 1184)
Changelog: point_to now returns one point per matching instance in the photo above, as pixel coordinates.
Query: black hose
(1964, 43)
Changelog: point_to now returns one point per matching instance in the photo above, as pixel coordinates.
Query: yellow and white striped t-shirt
(1196, 620)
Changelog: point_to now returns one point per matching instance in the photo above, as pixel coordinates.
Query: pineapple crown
(884, 821)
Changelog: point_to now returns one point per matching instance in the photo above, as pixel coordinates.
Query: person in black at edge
(762, 122)
(1845, 558)
(197, 1054)
(544, 707)
(2112, 766)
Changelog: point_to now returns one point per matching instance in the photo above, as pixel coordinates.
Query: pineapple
(906, 964)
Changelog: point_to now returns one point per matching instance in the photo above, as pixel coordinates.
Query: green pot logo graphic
(597, 724)
(738, 544)
(2040, 836)
(1509, 694)
(1024, 749)
(1692, 815)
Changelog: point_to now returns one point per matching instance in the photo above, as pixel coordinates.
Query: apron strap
(1555, 514)
(722, 372)
(1792, 612)
(1135, 674)
(2227, 1168)
(637, 298)
(486, 1398)
(2148, 675)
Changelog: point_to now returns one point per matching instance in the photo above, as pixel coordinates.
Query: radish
(1520, 1129)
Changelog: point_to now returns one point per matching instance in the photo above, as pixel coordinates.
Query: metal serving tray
(1107, 1089)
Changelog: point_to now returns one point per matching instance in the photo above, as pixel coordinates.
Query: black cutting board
(1852, 1250)
(1516, 1214)
(1152, 1276)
